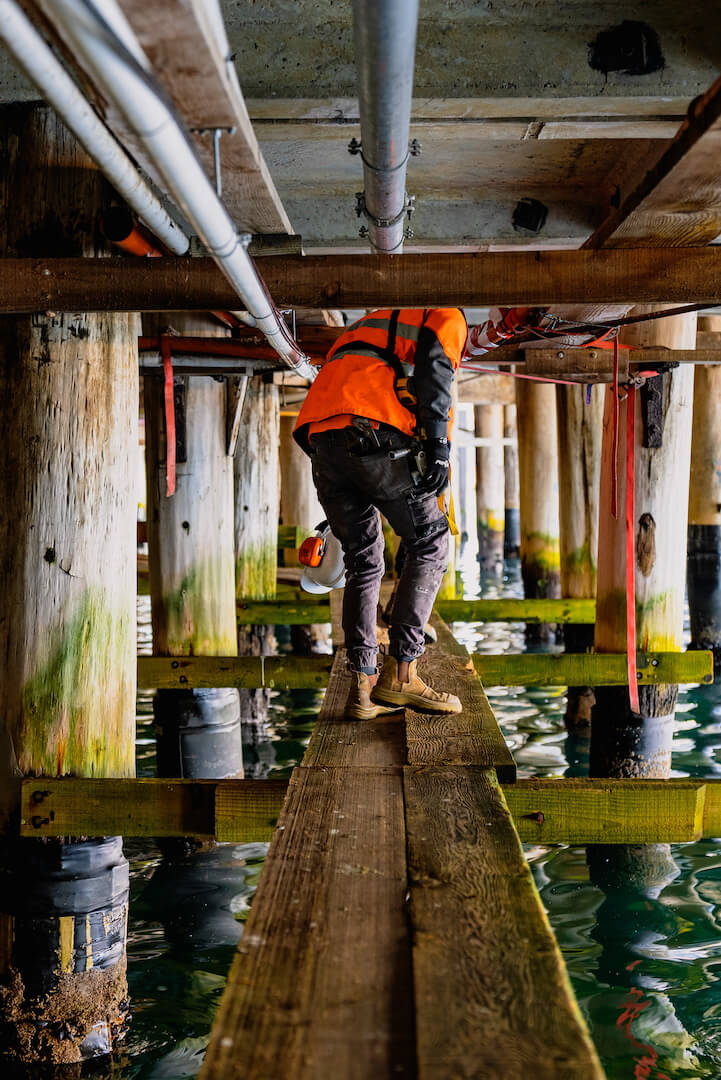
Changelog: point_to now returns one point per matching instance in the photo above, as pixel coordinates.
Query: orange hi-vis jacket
(360, 376)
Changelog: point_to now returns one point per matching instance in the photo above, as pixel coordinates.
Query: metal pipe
(39, 63)
(384, 36)
(126, 82)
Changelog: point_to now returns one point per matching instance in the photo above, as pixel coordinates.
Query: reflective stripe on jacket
(358, 378)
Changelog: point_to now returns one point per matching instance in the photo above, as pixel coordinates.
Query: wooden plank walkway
(396, 930)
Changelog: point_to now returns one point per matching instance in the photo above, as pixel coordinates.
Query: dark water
(644, 958)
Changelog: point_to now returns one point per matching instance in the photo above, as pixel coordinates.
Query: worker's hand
(435, 478)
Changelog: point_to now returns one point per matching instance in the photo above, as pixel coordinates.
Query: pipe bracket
(361, 209)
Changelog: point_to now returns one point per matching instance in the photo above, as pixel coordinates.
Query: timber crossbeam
(502, 669)
(592, 669)
(638, 275)
(547, 811)
(243, 672)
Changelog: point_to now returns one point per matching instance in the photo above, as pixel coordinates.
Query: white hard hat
(330, 572)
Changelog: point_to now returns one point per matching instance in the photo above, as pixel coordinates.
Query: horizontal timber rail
(591, 669)
(305, 608)
(503, 669)
(555, 811)
(517, 610)
(289, 536)
(639, 275)
(243, 672)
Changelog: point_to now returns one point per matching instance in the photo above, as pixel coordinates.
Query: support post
(298, 501)
(257, 504)
(69, 415)
(622, 743)
(580, 428)
(490, 483)
(192, 565)
(512, 539)
(704, 506)
(257, 493)
(538, 475)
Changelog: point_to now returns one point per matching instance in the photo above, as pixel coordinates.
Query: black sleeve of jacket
(432, 376)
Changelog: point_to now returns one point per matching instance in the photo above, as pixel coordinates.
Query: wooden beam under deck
(545, 811)
(502, 669)
(640, 275)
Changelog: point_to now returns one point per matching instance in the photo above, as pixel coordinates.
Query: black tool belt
(362, 438)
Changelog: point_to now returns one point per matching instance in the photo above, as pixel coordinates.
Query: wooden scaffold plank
(493, 998)
(471, 737)
(321, 983)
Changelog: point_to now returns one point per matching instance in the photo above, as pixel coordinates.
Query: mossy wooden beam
(518, 610)
(592, 669)
(293, 606)
(291, 536)
(581, 811)
(243, 672)
(271, 614)
(239, 810)
(552, 811)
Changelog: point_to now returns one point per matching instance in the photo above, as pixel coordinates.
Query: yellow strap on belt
(447, 508)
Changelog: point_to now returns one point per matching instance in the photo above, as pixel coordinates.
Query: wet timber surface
(396, 930)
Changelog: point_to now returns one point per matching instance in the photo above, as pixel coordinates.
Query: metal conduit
(37, 60)
(384, 36)
(117, 70)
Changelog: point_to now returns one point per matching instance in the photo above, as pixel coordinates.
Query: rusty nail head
(39, 796)
(535, 815)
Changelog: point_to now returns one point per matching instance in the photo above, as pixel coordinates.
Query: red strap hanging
(630, 551)
(167, 358)
(614, 451)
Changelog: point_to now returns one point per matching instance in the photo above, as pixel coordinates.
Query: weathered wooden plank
(591, 669)
(187, 47)
(492, 995)
(269, 613)
(244, 672)
(321, 983)
(245, 815)
(652, 275)
(238, 810)
(547, 811)
(678, 202)
(517, 610)
(336, 613)
(584, 811)
(471, 737)
(339, 742)
(80, 807)
(290, 536)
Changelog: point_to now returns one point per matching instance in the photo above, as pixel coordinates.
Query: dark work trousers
(353, 486)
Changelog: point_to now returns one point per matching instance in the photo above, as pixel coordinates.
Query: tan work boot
(414, 692)
(359, 705)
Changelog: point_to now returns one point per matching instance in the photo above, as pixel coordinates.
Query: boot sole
(396, 697)
(355, 712)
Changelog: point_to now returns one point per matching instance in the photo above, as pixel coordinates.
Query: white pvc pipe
(38, 61)
(124, 81)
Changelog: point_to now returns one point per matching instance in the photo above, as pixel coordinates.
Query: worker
(376, 424)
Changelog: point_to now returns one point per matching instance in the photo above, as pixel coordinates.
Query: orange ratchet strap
(169, 414)
(630, 552)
